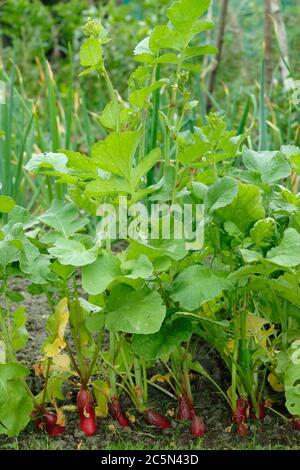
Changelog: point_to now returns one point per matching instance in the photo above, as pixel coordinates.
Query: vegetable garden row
(115, 311)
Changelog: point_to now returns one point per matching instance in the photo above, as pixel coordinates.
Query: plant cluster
(116, 312)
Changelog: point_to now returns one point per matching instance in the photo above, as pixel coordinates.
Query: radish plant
(154, 297)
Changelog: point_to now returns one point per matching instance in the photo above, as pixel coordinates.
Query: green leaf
(292, 380)
(198, 285)
(140, 268)
(250, 256)
(53, 161)
(198, 51)
(64, 218)
(141, 98)
(70, 252)
(287, 253)
(184, 13)
(19, 332)
(162, 37)
(91, 53)
(145, 165)
(131, 311)
(221, 194)
(246, 208)
(98, 276)
(163, 343)
(81, 164)
(174, 249)
(101, 187)
(115, 154)
(271, 166)
(9, 253)
(7, 204)
(263, 232)
(15, 403)
(288, 287)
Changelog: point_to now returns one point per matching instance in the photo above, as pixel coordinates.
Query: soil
(274, 433)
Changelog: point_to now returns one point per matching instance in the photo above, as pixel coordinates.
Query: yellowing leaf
(275, 383)
(161, 378)
(61, 419)
(102, 394)
(59, 324)
(229, 347)
(61, 363)
(255, 327)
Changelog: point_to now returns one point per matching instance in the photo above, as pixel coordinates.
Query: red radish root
(297, 424)
(242, 429)
(117, 413)
(261, 414)
(155, 419)
(240, 416)
(49, 422)
(85, 405)
(184, 409)
(198, 427)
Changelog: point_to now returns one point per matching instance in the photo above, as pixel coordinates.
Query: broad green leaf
(70, 252)
(263, 232)
(250, 256)
(97, 276)
(145, 165)
(64, 218)
(53, 161)
(102, 187)
(287, 253)
(184, 13)
(115, 153)
(174, 249)
(81, 164)
(162, 37)
(246, 208)
(7, 204)
(131, 311)
(140, 268)
(271, 166)
(115, 114)
(221, 194)
(198, 51)
(141, 98)
(288, 287)
(15, 403)
(165, 191)
(91, 53)
(198, 285)
(9, 253)
(163, 343)
(292, 380)
(143, 53)
(36, 268)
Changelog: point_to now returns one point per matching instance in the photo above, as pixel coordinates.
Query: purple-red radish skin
(240, 415)
(198, 427)
(155, 419)
(297, 424)
(85, 405)
(262, 412)
(184, 410)
(117, 413)
(242, 430)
